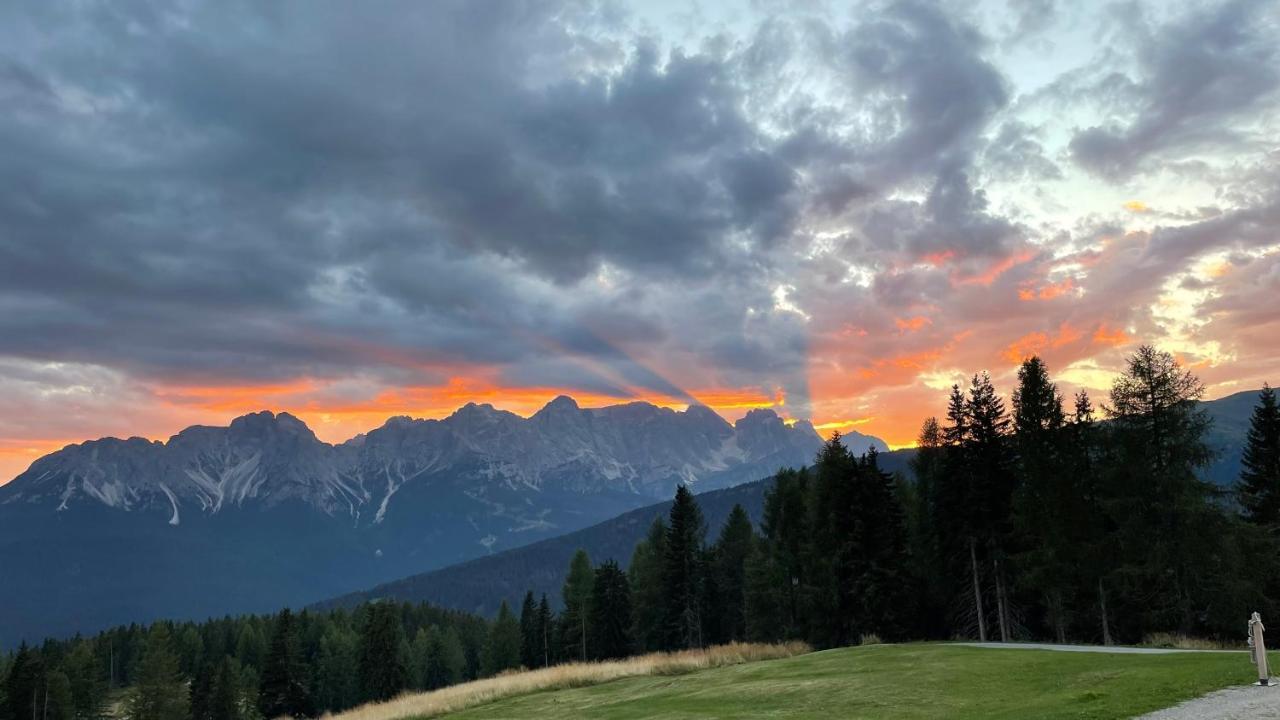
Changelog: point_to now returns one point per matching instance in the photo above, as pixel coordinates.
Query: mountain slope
(480, 585)
(261, 513)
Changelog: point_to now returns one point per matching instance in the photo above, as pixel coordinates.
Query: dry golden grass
(570, 675)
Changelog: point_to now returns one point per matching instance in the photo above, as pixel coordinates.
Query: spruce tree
(283, 690)
(682, 573)
(448, 662)
(786, 529)
(610, 613)
(543, 633)
(502, 650)
(1259, 487)
(830, 557)
(729, 557)
(648, 601)
(337, 685)
(225, 697)
(23, 684)
(159, 691)
(382, 670)
(420, 659)
(1048, 504)
(576, 594)
(884, 589)
(88, 682)
(57, 702)
(530, 638)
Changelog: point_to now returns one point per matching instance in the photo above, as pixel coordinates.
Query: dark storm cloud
(261, 191)
(1197, 74)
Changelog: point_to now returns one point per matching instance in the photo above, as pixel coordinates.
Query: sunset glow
(834, 214)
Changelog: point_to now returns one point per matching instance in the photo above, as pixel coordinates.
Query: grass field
(899, 681)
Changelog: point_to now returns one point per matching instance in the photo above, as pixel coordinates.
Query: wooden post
(1259, 648)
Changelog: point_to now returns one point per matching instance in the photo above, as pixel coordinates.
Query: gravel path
(1247, 702)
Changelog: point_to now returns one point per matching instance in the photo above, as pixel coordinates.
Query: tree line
(1043, 518)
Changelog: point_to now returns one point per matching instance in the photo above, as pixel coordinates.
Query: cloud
(1200, 79)
(208, 208)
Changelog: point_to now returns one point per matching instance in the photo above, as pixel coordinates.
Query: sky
(833, 209)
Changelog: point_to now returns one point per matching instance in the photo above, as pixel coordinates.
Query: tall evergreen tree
(921, 504)
(23, 685)
(610, 613)
(787, 538)
(884, 589)
(226, 695)
(502, 650)
(682, 573)
(88, 682)
(1260, 473)
(1157, 441)
(1047, 510)
(530, 638)
(729, 558)
(382, 670)
(448, 664)
(832, 558)
(283, 690)
(337, 684)
(577, 606)
(543, 633)
(159, 691)
(57, 703)
(647, 587)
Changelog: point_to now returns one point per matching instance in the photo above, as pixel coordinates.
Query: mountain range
(261, 513)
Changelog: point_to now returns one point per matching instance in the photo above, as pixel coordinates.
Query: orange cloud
(912, 324)
(1037, 342)
(1047, 292)
(1104, 336)
(1137, 206)
(988, 276)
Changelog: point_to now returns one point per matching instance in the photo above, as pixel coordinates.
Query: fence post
(1259, 647)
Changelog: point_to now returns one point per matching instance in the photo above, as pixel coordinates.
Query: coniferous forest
(1036, 516)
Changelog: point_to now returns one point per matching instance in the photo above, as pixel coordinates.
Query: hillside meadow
(912, 681)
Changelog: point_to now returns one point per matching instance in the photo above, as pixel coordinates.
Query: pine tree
(1259, 487)
(924, 528)
(885, 592)
(729, 556)
(159, 692)
(610, 613)
(420, 659)
(337, 686)
(283, 691)
(502, 651)
(647, 599)
(382, 670)
(226, 695)
(448, 658)
(88, 684)
(530, 638)
(23, 685)
(543, 632)
(786, 529)
(1048, 504)
(201, 693)
(577, 606)
(830, 556)
(682, 573)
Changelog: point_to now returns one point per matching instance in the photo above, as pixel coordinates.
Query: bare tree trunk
(1106, 623)
(977, 590)
(1001, 615)
(584, 634)
(1059, 623)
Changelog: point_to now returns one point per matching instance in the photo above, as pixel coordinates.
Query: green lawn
(901, 681)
